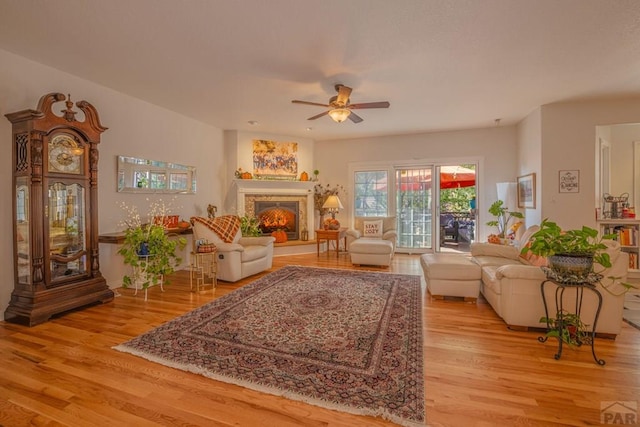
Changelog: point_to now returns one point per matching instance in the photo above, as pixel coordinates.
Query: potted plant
(149, 249)
(567, 327)
(503, 217)
(573, 253)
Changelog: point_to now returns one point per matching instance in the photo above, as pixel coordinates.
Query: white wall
(530, 159)
(136, 128)
(622, 138)
(568, 141)
(495, 148)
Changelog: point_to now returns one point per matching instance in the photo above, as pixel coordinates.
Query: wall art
(569, 181)
(527, 191)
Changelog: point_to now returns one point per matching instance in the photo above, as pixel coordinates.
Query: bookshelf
(627, 233)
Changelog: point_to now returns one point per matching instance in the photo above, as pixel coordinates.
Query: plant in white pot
(148, 248)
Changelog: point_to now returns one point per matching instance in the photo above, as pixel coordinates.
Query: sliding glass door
(414, 205)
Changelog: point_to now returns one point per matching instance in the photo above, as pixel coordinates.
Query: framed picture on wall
(527, 191)
(569, 181)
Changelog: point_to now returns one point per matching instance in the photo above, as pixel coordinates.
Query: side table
(203, 264)
(560, 327)
(329, 235)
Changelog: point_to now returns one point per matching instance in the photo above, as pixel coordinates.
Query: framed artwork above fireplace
(275, 160)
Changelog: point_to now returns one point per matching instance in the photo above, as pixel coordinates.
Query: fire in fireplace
(278, 215)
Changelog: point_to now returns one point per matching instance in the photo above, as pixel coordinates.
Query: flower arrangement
(147, 247)
(321, 192)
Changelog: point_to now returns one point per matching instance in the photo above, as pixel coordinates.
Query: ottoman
(451, 275)
(368, 251)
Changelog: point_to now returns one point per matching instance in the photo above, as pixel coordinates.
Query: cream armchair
(372, 240)
(238, 257)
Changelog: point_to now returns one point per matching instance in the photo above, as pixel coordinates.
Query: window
(371, 193)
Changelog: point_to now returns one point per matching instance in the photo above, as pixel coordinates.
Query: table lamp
(332, 204)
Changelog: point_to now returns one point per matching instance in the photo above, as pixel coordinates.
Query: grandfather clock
(55, 210)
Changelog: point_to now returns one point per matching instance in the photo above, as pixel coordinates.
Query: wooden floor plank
(477, 371)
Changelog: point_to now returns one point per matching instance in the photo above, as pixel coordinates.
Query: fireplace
(279, 215)
(300, 193)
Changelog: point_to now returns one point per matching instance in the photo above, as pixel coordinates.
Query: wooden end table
(329, 235)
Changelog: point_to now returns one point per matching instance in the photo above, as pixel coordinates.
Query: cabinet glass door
(23, 258)
(67, 231)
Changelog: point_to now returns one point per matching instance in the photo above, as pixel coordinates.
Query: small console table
(560, 325)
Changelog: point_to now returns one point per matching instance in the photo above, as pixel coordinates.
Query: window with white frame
(371, 193)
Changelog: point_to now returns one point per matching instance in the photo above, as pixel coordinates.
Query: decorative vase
(571, 268)
(143, 250)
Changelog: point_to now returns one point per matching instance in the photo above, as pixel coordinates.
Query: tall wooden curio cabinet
(55, 210)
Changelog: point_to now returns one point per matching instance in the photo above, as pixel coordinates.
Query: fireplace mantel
(261, 187)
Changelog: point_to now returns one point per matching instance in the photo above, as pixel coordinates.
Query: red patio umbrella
(456, 177)
(450, 177)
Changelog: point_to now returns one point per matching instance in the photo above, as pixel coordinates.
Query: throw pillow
(372, 229)
(531, 259)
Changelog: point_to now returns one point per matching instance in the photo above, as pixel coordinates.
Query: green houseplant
(555, 244)
(573, 253)
(503, 217)
(250, 226)
(148, 248)
(569, 328)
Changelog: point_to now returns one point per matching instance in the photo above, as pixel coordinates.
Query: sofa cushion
(493, 250)
(367, 245)
(485, 260)
(526, 236)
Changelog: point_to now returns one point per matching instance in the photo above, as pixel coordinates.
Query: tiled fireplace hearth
(283, 193)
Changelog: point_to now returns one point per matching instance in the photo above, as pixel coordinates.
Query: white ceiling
(442, 64)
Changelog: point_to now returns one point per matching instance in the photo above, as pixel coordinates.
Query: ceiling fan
(339, 107)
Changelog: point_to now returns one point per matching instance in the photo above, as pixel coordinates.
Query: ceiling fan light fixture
(339, 115)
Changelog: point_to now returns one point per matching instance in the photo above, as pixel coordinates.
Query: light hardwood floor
(477, 372)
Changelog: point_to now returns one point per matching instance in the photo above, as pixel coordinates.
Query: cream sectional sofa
(512, 286)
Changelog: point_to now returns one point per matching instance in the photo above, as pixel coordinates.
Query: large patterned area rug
(340, 339)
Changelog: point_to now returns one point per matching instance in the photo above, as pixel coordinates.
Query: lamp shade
(339, 114)
(332, 203)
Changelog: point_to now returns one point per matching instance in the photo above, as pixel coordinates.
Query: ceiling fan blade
(317, 116)
(382, 104)
(355, 118)
(295, 101)
(343, 94)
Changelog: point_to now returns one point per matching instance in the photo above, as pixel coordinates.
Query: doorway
(457, 216)
(444, 220)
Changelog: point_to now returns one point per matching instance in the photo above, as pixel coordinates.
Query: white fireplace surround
(252, 188)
